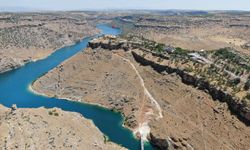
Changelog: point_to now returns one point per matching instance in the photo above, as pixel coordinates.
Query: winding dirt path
(143, 128)
(146, 92)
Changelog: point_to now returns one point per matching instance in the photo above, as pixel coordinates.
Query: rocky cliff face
(7, 63)
(109, 42)
(235, 105)
(165, 140)
(162, 144)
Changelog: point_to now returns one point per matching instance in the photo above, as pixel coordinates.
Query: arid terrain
(31, 36)
(103, 79)
(42, 128)
(180, 79)
(158, 106)
(191, 30)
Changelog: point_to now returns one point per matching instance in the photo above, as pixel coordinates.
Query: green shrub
(234, 81)
(188, 69)
(50, 113)
(248, 96)
(106, 139)
(53, 112)
(247, 85)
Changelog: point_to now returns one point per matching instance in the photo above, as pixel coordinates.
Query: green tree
(247, 85)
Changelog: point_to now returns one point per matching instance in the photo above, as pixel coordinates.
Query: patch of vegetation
(189, 69)
(226, 54)
(248, 96)
(159, 48)
(152, 45)
(234, 82)
(53, 112)
(50, 113)
(232, 57)
(247, 85)
(147, 44)
(180, 51)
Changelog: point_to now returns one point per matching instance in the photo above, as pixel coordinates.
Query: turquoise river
(14, 90)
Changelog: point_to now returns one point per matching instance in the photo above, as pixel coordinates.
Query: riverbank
(95, 77)
(135, 131)
(140, 129)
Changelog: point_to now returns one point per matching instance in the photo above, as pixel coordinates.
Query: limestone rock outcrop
(42, 128)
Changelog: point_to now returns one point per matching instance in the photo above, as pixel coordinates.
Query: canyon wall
(236, 106)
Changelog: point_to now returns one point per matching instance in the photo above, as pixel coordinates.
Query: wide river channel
(14, 90)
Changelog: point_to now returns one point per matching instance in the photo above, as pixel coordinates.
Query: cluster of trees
(232, 57)
(180, 51)
(158, 47)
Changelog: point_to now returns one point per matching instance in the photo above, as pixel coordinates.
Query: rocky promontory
(40, 128)
(155, 101)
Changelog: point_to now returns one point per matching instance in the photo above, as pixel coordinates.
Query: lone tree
(247, 85)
